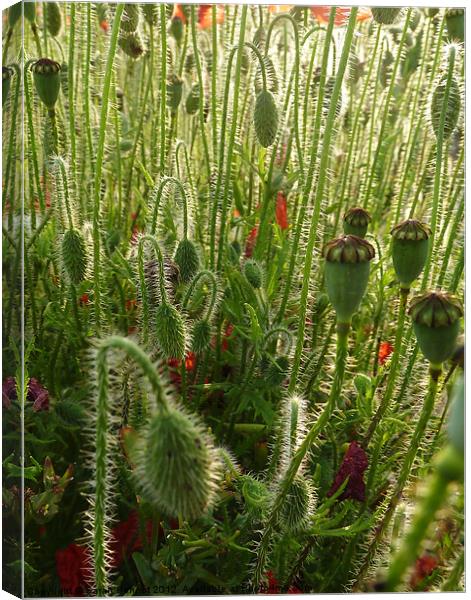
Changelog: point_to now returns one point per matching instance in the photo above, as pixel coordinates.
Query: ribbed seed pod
(53, 18)
(7, 74)
(385, 15)
(74, 255)
(455, 23)
(180, 466)
(265, 118)
(187, 260)
(298, 504)
(253, 273)
(409, 249)
(130, 19)
(346, 273)
(170, 331)
(174, 92)
(131, 44)
(151, 14)
(355, 221)
(192, 102)
(452, 110)
(436, 320)
(201, 336)
(46, 75)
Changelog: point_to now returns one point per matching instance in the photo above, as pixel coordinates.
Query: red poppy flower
(125, 538)
(250, 243)
(385, 350)
(281, 211)
(424, 567)
(321, 13)
(84, 299)
(72, 565)
(273, 586)
(104, 25)
(354, 464)
(205, 15)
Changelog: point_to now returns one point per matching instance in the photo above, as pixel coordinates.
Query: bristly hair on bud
(187, 259)
(265, 118)
(253, 273)
(452, 108)
(299, 504)
(53, 18)
(170, 331)
(74, 255)
(130, 18)
(131, 44)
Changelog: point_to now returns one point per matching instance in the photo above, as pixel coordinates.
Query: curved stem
(158, 191)
(209, 275)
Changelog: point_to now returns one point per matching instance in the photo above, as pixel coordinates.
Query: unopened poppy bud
(265, 118)
(277, 371)
(385, 15)
(192, 102)
(436, 319)
(410, 243)
(355, 221)
(131, 44)
(253, 273)
(170, 331)
(298, 505)
(7, 74)
(53, 18)
(201, 337)
(177, 28)
(174, 92)
(74, 255)
(346, 273)
(187, 260)
(46, 74)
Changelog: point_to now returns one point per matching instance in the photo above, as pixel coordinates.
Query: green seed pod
(298, 504)
(187, 260)
(436, 320)
(176, 29)
(385, 15)
(201, 337)
(130, 19)
(170, 331)
(179, 465)
(174, 92)
(452, 110)
(7, 74)
(192, 102)
(151, 14)
(346, 273)
(46, 75)
(355, 221)
(74, 255)
(455, 23)
(131, 44)
(265, 118)
(457, 420)
(53, 18)
(277, 372)
(253, 273)
(409, 249)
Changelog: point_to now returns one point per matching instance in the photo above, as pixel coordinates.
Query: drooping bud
(131, 44)
(177, 28)
(74, 255)
(7, 74)
(355, 221)
(179, 467)
(46, 74)
(201, 337)
(297, 507)
(170, 331)
(174, 92)
(187, 260)
(253, 273)
(265, 118)
(130, 19)
(452, 111)
(192, 102)
(436, 319)
(53, 18)
(409, 249)
(385, 15)
(346, 273)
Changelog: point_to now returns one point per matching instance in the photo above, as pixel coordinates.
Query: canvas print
(233, 285)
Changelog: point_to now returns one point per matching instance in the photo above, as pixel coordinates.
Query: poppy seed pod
(180, 466)
(53, 18)
(46, 74)
(174, 92)
(355, 222)
(131, 44)
(253, 273)
(436, 320)
(130, 19)
(74, 255)
(170, 331)
(385, 15)
(346, 273)
(409, 249)
(452, 109)
(265, 118)
(454, 18)
(187, 260)
(201, 336)
(192, 102)
(7, 74)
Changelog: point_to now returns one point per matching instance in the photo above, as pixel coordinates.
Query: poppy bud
(130, 19)
(297, 507)
(74, 255)
(410, 242)
(176, 29)
(131, 44)
(455, 23)
(346, 273)
(151, 14)
(46, 74)
(187, 259)
(436, 318)
(355, 222)
(179, 466)
(385, 15)
(170, 331)
(174, 92)
(452, 109)
(7, 74)
(265, 118)
(201, 337)
(193, 99)
(253, 273)
(53, 18)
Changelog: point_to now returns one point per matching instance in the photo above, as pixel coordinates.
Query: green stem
(163, 86)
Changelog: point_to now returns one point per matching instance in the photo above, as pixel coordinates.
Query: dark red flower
(424, 567)
(38, 395)
(250, 243)
(8, 391)
(104, 25)
(84, 299)
(273, 586)
(281, 211)
(385, 350)
(227, 335)
(72, 565)
(178, 13)
(354, 464)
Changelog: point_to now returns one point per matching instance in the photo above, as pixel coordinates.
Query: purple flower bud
(38, 395)
(8, 392)
(354, 464)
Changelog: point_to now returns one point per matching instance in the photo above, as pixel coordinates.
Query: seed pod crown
(47, 80)
(348, 249)
(435, 309)
(411, 230)
(355, 221)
